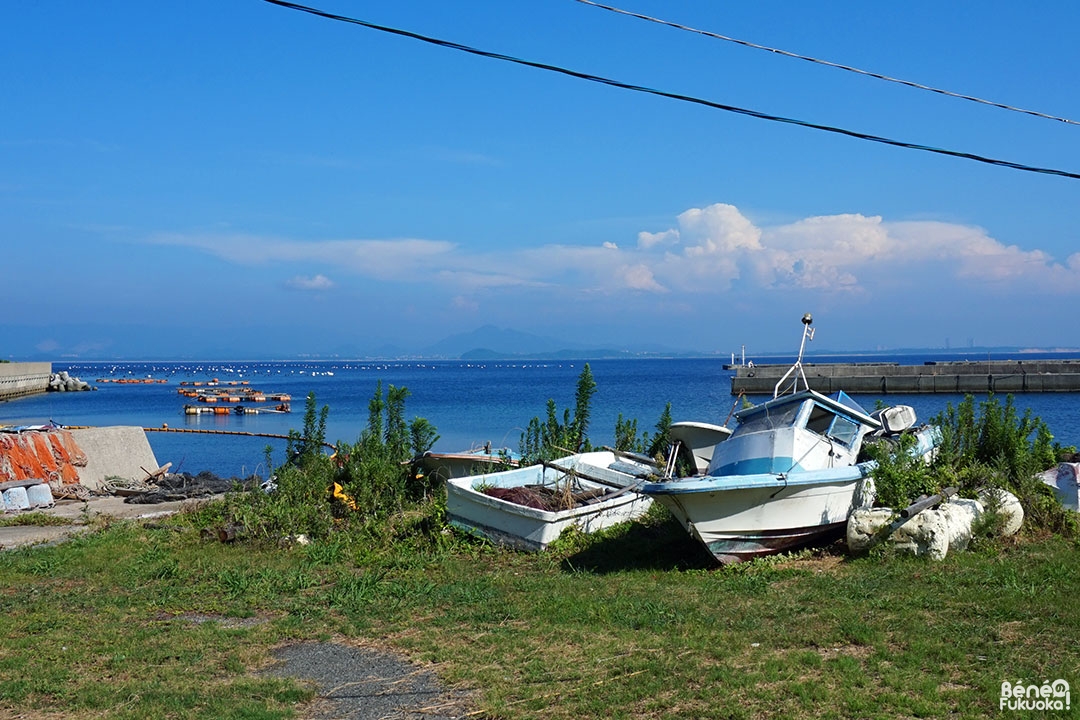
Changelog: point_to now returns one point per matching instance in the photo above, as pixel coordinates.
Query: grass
(155, 621)
(35, 519)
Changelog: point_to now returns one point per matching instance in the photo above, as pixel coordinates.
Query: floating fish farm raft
(217, 400)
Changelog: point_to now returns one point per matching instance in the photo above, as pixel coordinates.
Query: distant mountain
(497, 342)
(490, 343)
(566, 354)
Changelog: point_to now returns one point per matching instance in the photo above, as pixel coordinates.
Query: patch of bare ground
(823, 560)
(355, 681)
(231, 623)
(1010, 631)
(860, 652)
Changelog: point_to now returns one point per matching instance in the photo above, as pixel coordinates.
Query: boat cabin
(794, 433)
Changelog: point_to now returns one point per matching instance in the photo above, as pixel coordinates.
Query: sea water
(469, 403)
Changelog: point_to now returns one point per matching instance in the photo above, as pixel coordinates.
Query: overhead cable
(827, 63)
(671, 95)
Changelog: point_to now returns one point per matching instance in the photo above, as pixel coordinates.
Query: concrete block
(119, 451)
(863, 526)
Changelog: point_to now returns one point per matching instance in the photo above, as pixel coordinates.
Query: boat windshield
(769, 417)
(825, 421)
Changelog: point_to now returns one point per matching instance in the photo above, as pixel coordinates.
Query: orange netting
(48, 456)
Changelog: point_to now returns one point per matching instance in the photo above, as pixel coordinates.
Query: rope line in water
(216, 432)
(242, 433)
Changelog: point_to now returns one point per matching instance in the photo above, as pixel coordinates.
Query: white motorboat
(788, 475)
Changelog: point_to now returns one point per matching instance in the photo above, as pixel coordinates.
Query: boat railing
(796, 371)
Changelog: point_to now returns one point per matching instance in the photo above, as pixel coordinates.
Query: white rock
(863, 525)
(1009, 507)
(959, 514)
(931, 533)
(924, 534)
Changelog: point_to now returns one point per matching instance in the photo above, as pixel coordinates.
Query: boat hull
(468, 508)
(444, 466)
(739, 518)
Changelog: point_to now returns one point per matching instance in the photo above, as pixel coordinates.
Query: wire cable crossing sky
(237, 181)
(827, 63)
(677, 96)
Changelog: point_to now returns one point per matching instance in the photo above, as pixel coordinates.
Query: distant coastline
(473, 355)
(487, 355)
(490, 343)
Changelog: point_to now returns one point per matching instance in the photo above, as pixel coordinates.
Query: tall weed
(548, 439)
(991, 445)
(983, 445)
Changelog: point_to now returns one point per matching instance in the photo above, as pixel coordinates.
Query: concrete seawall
(18, 379)
(998, 376)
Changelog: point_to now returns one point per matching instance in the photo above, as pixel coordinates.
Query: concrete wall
(119, 451)
(947, 377)
(18, 379)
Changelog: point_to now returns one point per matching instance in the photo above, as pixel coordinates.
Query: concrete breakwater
(18, 379)
(63, 382)
(975, 377)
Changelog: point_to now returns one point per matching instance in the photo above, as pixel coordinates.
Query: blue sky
(247, 180)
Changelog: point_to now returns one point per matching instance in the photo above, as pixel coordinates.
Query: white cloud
(640, 277)
(821, 253)
(382, 259)
(978, 257)
(317, 282)
(716, 229)
(476, 280)
(842, 253)
(647, 240)
(708, 252)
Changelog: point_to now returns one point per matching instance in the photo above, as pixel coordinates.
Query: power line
(827, 63)
(673, 96)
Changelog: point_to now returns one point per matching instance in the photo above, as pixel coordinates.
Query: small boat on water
(590, 491)
(789, 474)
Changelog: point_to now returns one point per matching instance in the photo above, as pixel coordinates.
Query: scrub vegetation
(985, 445)
(167, 620)
(549, 439)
